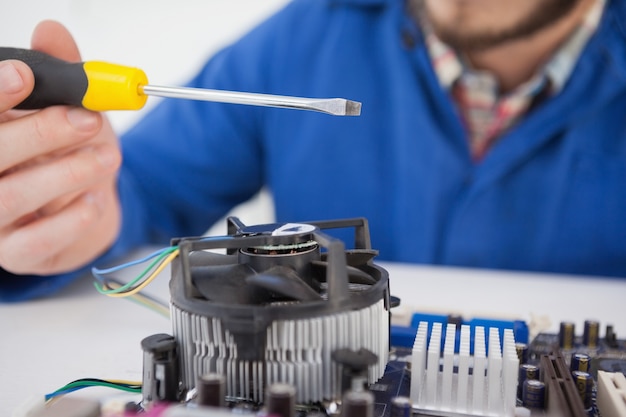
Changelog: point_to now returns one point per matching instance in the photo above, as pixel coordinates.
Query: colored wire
(98, 273)
(145, 300)
(132, 263)
(170, 257)
(113, 288)
(128, 386)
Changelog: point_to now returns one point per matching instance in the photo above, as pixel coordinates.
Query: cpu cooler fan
(276, 306)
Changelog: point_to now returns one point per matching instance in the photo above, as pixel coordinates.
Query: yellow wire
(148, 280)
(147, 303)
(122, 381)
(143, 300)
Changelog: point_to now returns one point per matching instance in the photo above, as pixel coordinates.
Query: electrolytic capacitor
(357, 404)
(211, 390)
(591, 334)
(584, 384)
(610, 337)
(526, 371)
(281, 400)
(580, 362)
(160, 368)
(534, 394)
(566, 335)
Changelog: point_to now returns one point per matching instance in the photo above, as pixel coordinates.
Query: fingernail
(82, 119)
(10, 80)
(106, 156)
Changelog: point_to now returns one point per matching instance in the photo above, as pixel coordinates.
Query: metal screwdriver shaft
(334, 106)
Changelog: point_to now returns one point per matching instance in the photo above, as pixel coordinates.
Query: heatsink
(449, 384)
(297, 352)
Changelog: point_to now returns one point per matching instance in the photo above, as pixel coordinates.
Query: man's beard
(543, 16)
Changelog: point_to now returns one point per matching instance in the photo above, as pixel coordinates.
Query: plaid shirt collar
(487, 114)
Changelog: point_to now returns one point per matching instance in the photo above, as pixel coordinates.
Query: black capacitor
(534, 394)
(610, 337)
(211, 390)
(566, 335)
(522, 352)
(160, 368)
(580, 362)
(357, 404)
(281, 400)
(584, 385)
(526, 372)
(401, 407)
(591, 334)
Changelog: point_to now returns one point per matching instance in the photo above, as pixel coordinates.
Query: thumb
(53, 38)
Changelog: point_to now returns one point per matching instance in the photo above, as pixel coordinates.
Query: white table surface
(79, 333)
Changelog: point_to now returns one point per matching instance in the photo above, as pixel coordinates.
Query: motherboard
(288, 322)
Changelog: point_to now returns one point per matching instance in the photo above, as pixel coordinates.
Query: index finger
(16, 83)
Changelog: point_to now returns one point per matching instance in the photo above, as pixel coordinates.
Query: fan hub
(272, 250)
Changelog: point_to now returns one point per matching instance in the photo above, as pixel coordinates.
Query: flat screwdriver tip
(353, 108)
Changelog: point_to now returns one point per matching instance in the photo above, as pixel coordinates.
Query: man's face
(481, 24)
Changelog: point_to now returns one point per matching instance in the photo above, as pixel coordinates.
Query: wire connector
(611, 398)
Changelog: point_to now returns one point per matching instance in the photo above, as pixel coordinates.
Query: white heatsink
(297, 352)
(451, 384)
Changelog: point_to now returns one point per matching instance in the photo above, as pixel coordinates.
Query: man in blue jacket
(492, 135)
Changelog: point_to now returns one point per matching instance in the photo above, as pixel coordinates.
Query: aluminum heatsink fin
(483, 384)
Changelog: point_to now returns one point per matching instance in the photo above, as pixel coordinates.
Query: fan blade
(284, 281)
(227, 284)
(355, 275)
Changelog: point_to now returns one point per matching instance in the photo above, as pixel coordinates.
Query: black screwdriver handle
(56, 81)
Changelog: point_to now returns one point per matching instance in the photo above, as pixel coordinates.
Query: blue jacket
(550, 195)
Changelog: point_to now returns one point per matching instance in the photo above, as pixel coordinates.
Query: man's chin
(464, 37)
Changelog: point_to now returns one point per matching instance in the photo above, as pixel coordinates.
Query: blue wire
(57, 393)
(97, 272)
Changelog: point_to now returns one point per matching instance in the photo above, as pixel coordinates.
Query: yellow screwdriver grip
(113, 87)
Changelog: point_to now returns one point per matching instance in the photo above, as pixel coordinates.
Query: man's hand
(58, 199)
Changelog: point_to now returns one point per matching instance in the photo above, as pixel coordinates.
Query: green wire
(80, 384)
(123, 288)
(85, 384)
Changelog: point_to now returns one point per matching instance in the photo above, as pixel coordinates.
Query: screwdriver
(102, 86)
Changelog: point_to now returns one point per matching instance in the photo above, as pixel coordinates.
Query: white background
(167, 39)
